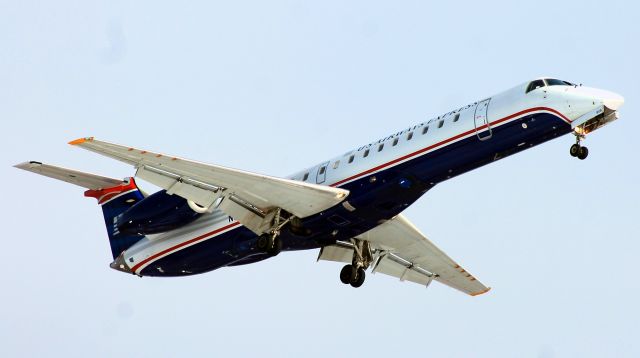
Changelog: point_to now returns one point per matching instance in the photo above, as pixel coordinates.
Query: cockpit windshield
(555, 82)
(547, 82)
(535, 85)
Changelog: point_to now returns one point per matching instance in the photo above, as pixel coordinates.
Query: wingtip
(27, 165)
(80, 140)
(481, 292)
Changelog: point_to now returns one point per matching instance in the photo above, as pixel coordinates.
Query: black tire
(574, 150)
(584, 153)
(345, 274)
(359, 278)
(263, 242)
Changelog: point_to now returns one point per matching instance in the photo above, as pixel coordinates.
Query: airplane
(349, 207)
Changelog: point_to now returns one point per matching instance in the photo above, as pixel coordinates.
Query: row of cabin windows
(352, 157)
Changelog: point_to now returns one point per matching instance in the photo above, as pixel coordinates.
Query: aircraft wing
(249, 198)
(402, 251)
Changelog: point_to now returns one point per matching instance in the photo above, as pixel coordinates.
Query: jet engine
(159, 212)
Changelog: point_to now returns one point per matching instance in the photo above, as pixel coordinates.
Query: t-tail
(114, 196)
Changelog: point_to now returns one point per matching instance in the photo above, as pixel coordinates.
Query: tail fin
(114, 195)
(115, 201)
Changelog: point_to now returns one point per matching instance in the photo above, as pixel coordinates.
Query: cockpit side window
(535, 85)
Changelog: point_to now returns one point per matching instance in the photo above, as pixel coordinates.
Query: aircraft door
(481, 120)
(322, 173)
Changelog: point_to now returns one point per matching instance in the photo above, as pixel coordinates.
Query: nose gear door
(481, 120)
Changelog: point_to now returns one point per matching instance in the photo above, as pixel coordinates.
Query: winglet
(81, 140)
(481, 292)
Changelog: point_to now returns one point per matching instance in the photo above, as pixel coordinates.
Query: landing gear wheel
(269, 244)
(574, 150)
(584, 152)
(359, 279)
(345, 274)
(263, 242)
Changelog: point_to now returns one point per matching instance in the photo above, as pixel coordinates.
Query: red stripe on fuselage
(449, 140)
(182, 244)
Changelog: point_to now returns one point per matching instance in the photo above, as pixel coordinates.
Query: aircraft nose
(612, 100)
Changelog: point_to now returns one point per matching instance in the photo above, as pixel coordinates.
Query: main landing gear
(577, 150)
(354, 274)
(269, 244)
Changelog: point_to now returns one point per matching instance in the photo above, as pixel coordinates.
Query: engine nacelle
(159, 212)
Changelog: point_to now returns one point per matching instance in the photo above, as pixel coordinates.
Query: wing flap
(406, 242)
(337, 253)
(385, 263)
(404, 270)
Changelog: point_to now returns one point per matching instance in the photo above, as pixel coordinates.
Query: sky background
(276, 86)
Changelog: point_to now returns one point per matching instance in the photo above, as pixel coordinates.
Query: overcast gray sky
(275, 86)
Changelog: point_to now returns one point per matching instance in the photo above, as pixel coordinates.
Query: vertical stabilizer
(115, 201)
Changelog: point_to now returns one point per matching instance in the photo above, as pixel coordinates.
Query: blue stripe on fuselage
(393, 190)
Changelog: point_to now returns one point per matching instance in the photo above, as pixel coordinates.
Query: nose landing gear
(577, 150)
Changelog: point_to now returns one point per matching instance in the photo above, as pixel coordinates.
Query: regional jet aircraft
(350, 207)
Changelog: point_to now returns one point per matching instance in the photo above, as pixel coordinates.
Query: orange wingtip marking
(481, 292)
(81, 140)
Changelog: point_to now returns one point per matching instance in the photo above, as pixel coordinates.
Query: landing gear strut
(577, 150)
(270, 242)
(354, 274)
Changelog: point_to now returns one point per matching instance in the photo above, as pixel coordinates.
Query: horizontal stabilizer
(85, 180)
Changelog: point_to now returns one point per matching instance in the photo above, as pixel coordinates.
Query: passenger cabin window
(410, 135)
(395, 141)
(441, 123)
(351, 158)
(306, 176)
(366, 153)
(322, 169)
(380, 147)
(336, 164)
(455, 119)
(535, 85)
(425, 129)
